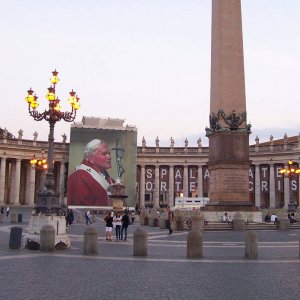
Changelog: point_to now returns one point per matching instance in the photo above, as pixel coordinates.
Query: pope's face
(101, 158)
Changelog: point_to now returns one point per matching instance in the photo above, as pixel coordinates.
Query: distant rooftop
(103, 123)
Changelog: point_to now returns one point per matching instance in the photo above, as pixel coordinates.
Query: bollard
(47, 238)
(194, 247)
(143, 216)
(93, 218)
(162, 223)
(140, 242)
(79, 218)
(178, 221)
(251, 245)
(153, 221)
(238, 222)
(15, 238)
(146, 221)
(13, 217)
(90, 244)
(197, 221)
(284, 224)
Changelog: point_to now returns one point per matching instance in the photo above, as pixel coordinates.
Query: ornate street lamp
(48, 200)
(41, 165)
(292, 171)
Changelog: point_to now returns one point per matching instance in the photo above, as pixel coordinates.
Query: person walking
(125, 223)
(108, 226)
(69, 217)
(88, 217)
(117, 225)
(169, 219)
(132, 217)
(7, 211)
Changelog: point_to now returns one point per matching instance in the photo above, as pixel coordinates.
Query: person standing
(7, 211)
(132, 217)
(108, 226)
(274, 218)
(69, 217)
(169, 219)
(88, 217)
(125, 223)
(117, 224)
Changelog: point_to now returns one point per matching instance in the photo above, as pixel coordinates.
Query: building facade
(163, 173)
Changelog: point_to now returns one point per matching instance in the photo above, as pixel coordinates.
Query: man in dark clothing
(169, 220)
(125, 223)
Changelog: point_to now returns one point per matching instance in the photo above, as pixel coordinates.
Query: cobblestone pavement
(165, 273)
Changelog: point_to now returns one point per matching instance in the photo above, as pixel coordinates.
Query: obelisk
(228, 132)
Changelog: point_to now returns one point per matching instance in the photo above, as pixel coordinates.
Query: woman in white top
(117, 225)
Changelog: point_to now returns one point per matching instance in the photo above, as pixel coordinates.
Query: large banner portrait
(98, 159)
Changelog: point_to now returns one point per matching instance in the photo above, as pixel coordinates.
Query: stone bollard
(93, 218)
(143, 218)
(178, 221)
(162, 222)
(251, 245)
(79, 218)
(90, 243)
(284, 224)
(15, 238)
(47, 238)
(13, 217)
(150, 221)
(238, 222)
(153, 218)
(194, 244)
(197, 221)
(140, 242)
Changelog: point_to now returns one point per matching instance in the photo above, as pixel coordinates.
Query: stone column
(142, 187)
(185, 181)
(257, 185)
(286, 188)
(62, 183)
(17, 182)
(30, 185)
(171, 186)
(156, 187)
(12, 175)
(2, 179)
(272, 186)
(200, 182)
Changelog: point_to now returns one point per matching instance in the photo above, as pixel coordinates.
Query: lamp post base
(48, 203)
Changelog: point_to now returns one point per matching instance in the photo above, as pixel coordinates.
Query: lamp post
(40, 164)
(48, 200)
(292, 171)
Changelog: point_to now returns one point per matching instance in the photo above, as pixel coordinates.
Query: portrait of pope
(90, 183)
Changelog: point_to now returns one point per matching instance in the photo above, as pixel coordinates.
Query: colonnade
(267, 187)
(19, 181)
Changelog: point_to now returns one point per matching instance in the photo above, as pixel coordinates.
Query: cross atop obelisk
(228, 132)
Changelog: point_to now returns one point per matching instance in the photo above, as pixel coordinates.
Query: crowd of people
(274, 218)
